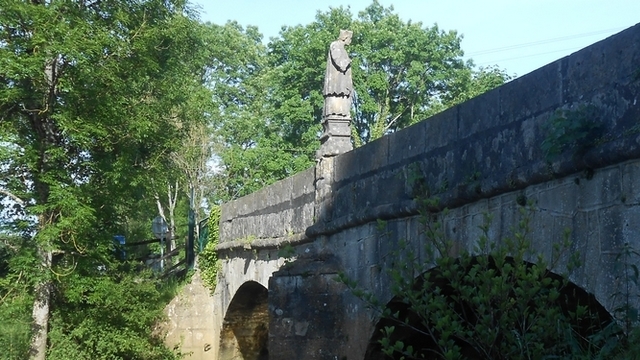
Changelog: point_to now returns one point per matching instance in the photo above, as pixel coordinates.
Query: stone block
(438, 169)
(373, 156)
(631, 225)
(408, 143)
(302, 184)
(299, 221)
(558, 196)
(630, 183)
(346, 166)
(442, 129)
(611, 225)
(365, 196)
(479, 114)
(586, 234)
(283, 191)
(532, 134)
(228, 211)
(532, 94)
(369, 247)
(603, 189)
(265, 199)
(343, 201)
(500, 153)
(602, 65)
(347, 250)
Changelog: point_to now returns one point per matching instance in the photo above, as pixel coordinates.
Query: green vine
(208, 259)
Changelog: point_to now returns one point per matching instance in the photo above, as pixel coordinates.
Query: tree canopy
(403, 73)
(94, 96)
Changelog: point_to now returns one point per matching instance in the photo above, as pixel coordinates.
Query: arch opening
(245, 331)
(416, 322)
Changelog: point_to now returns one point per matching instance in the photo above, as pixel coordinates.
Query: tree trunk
(173, 198)
(41, 307)
(48, 136)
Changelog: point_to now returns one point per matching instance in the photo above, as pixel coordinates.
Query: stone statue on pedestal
(338, 85)
(338, 93)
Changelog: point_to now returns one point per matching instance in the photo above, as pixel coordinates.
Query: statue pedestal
(336, 137)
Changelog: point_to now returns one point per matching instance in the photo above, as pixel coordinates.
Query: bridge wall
(480, 156)
(602, 211)
(270, 215)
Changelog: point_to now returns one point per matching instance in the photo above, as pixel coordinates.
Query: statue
(338, 86)
(337, 92)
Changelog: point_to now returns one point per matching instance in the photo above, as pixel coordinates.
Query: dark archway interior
(245, 331)
(574, 296)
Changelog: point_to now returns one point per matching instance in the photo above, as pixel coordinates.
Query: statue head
(345, 35)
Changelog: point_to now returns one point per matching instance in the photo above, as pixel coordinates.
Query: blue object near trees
(119, 242)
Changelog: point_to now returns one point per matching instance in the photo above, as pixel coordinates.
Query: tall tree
(90, 96)
(245, 138)
(403, 72)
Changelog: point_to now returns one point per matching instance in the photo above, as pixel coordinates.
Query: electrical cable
(541, 42)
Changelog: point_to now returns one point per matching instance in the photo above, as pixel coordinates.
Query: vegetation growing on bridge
(208, 260)
(497, 301)
(575, 130)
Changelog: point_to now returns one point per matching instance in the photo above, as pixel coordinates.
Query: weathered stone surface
(190, 324)
(480, 158)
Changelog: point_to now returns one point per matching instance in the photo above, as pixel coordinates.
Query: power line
(541, 42)
(528, 56)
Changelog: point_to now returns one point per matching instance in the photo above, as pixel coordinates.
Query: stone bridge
(485, 156)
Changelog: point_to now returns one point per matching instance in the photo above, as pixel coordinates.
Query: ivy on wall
(208, 260)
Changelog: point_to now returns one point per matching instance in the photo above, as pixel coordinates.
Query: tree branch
(13, 197)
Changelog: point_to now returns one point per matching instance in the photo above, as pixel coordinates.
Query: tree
(403, 72)
(249, 137)
(90, 107)
(193, 159)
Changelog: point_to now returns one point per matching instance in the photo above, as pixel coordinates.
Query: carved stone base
(336, 137)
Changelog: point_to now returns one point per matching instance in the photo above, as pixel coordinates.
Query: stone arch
(574, 293)
(245, 334)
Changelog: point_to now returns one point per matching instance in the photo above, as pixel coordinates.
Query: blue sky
(517, 35)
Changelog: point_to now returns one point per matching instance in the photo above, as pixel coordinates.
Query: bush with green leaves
(499, 301)
(15, 310)
(16, 297)
(101, 308)
(112, 314)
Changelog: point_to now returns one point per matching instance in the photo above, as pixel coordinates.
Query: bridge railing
(171, 263)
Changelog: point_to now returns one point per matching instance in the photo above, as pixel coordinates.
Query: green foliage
(571, 130)
(270, 99)
(93, 97)
(287, 252)
(16, 298)
(15, 304)
(625, 343)
(110, 314)
(208, 260)
(492, 302)
(253, 146)
(15, 334)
